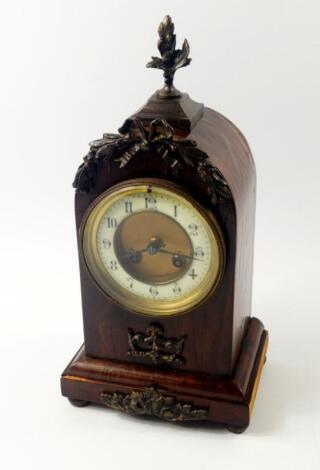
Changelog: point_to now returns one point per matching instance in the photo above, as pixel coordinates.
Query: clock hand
(177, 254)
(156, 246)
(153, 247)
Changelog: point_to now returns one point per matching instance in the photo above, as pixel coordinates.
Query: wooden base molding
(171, 394)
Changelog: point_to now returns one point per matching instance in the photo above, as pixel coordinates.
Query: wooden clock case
(215, 374)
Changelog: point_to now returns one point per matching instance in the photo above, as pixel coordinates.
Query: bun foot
(78, 403)
(236, 429)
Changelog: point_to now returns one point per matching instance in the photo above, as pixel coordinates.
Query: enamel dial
(152, 249)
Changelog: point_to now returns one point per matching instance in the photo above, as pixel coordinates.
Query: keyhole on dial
(177, 261)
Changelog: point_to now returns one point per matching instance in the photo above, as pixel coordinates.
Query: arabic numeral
(193, 229)
(106, 243)
(130, 282)
(175, 211)
(193, 274)
(151, 202)
(199, 253)
(113, 265)
(154, 291)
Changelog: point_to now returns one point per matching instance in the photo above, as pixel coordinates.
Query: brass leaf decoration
(171, 58)
(151, 402)
(133, 139)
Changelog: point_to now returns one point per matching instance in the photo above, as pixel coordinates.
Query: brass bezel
(132, 302)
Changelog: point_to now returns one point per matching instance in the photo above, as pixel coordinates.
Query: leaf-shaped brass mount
(171, 59)
(152, 402)
(134, 139)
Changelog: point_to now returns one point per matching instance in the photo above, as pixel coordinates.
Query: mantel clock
(165, 225)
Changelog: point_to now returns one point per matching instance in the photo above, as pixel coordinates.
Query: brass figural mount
(156, 346)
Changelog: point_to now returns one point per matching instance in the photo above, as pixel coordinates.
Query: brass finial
(171, 59)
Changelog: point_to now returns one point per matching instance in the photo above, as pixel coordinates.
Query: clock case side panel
(228, 150)
(207, 328)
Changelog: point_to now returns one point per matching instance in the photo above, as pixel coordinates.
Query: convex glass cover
(152, 248)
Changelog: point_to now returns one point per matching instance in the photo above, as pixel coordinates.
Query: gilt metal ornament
(156, 346)
(152, 402)
(133, 139)
(171, 58)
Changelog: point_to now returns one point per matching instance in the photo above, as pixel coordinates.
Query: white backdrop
(73, 69)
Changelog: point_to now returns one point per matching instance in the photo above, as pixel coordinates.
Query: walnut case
(215, 353)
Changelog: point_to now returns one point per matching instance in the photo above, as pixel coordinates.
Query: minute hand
(161, 250)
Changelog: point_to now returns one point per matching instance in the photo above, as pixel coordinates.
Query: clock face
(152, 249)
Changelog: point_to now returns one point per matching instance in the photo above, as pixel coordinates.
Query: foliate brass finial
(171, 59)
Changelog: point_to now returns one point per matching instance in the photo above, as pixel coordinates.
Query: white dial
(147, 207)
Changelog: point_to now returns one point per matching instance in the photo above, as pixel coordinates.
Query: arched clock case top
(206, 361)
